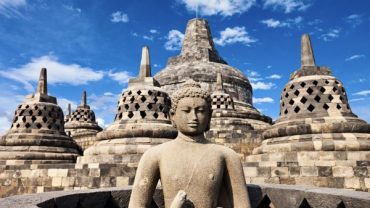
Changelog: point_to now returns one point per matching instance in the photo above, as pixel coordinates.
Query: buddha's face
(192, 116)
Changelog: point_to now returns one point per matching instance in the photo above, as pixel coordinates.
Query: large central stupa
(200, 61)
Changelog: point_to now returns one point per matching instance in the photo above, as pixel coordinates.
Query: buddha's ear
(172, 114)
(209, 120)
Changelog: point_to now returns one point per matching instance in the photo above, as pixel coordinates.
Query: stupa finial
(69, 109)
(83, 99)
(307, 56)
(42, 87)
(219, 82)
(145, 70)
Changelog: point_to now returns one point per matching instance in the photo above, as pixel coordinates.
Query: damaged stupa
(200, 61)
(142, 121)
(37, 133)
(82, 125)
(317, 139)
(227, 127)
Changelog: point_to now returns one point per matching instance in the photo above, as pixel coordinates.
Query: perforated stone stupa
(227, 126)
(317, 140)
(141, 121)
(82, 125)
(200, 61)
(37, 133)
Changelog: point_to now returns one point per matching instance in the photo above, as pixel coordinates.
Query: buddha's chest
(193, 168)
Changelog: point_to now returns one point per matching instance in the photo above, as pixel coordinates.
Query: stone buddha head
(191, 109)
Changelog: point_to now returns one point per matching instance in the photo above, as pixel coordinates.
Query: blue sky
(96, 46)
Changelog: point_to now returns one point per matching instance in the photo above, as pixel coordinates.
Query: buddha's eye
(186, 110)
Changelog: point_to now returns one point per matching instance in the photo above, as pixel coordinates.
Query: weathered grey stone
(191, 169)
(316, 128)
(37, 132)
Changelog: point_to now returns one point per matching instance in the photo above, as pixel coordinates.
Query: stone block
(264, 171)
(361, 171)
(367, 183)
(279, 172)
(321, 181)
(309, 171)
(56, 182)
(349, 163)
(352, 183)
(325, 171)
(268, 164)
(342, 171)
(39, 189)
(324, 163)
(336, 182)
(294, 171)
(258, 180)
(95, 172)
(122, 181)
(250, 171)
(305, 181)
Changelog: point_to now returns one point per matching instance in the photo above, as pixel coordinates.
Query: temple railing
(262, 196)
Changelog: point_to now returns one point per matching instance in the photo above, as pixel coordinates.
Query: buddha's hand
(179, 199)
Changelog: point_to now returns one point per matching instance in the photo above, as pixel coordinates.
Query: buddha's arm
(146, 179)
(235, 181)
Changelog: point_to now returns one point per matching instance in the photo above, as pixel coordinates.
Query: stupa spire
(307, 56)
(198, 42)
(69, 109)
(42, 86)
(145, 69)
(83, 99)
(219, 82)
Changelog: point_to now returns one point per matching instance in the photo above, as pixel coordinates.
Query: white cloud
(354, 19)
(146, 37)
(174, 40)
(363, 93)
(252, 73)
(105, 107)
(108, 94)
(154, 31)
(72, 9)
(156, 65)
(9, 8)
(218, 7)
(63, 103)
(274, 76)
(234, 35)
(101, 122)
(357, 99)
(314, 22)
(58, 73)
(356, 56)
(263, 100)
(119, 17)
(273, 23)
(262, 85)
(330, 35)
(287, 5)
(121, 77)
(269, 66)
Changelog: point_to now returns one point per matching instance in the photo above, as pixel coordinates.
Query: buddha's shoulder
(223, 150)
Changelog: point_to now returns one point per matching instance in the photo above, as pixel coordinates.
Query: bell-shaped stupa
(142, 121)
(228, 127)
(37, 132)
(82, 125)
(317, 140)
(200, 61)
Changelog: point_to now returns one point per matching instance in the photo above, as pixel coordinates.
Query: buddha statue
(193, 172)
